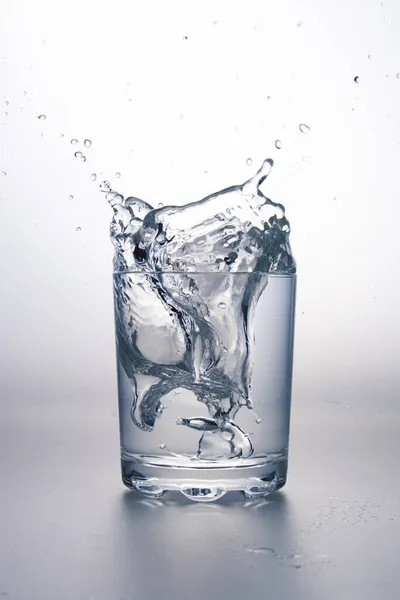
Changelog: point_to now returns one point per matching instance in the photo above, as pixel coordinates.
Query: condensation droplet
(78, 229)
(87, 143)
(356, 79)
(70, 197)
(4, 173)
(78, 154)
(105, 186)
(221, 305)
(117, 174)
(162, 446)
(258, 421)
(278, 144)
(93, 177)
(42, 117)
(304, 128)
(83, 158)
(74, 141)
(249, 162)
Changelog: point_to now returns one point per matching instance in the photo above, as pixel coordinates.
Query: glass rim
(193, 273)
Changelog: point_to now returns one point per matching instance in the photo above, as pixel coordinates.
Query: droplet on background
(356, 79)
(160, 205)
(117, 174)
(278, 144)
(87, 143)
(369, 56)
(6, 102)
(249, 162)
(78, 154)
(61, 135)
(105, 186)
(162, 446)
(304, 128)
(300, 23)
(185, 37)
(83, 158)
(258, 421)
(78, 229)
(74, 141)
(70, 197)
(42, 117)
(93, 177)
(221, 305)
(398, 75)
(4, 173)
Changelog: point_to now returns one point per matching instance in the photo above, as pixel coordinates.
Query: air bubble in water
(356, 79)
(74, 141)
(42, 117)
(117, 174)
(78, 229)
(105, 186)
(162, 446)
(93, 177)
(278, 144)
(221, 305)
(249, 162)
(4, 173)
(87, 143)
(304, 128)
(70, 197)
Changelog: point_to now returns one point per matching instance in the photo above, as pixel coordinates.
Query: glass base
(206, 483)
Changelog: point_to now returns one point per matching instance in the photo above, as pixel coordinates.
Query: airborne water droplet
(221, 305)
(78, 154)
(105, 186)
(87, 143)
(162, 446)
(398, 75)
(78, 229)
(117, 174)
(160, 205)
(83, 158)
(356, 79)
(249, 162)
(70, 197)
(93, 177)
(278, 144)
(74, 141)
(42, 117)
(4, 173)
(304, 128)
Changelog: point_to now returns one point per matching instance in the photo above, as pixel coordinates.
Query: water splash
(163, 257)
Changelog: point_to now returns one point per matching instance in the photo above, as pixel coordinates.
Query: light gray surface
(69, 529)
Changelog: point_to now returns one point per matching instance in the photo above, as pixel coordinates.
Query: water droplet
(177, 392)
(278, 144)
(356, 79)
(74, 141)
(185, 37)
(268, 97)
(304, 128)
(93, 177)
(369, 56)
(42, 117)
(398, 75)
(221, 305)
(6, 114)
(162, 446)
(300, 24)
(87, 143)
(249, 162)
(4, 173)
(78, 229)
(228, 210)
(258, 421)
(181, 116)
(83, 158)
(61, 135)
(70, 197)
(6, 102)
(78, 154)
(117, 174)
(205, 172)
(105, 186)
(160, 205)
(305, 158)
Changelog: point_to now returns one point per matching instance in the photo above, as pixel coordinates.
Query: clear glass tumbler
(204, 381)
